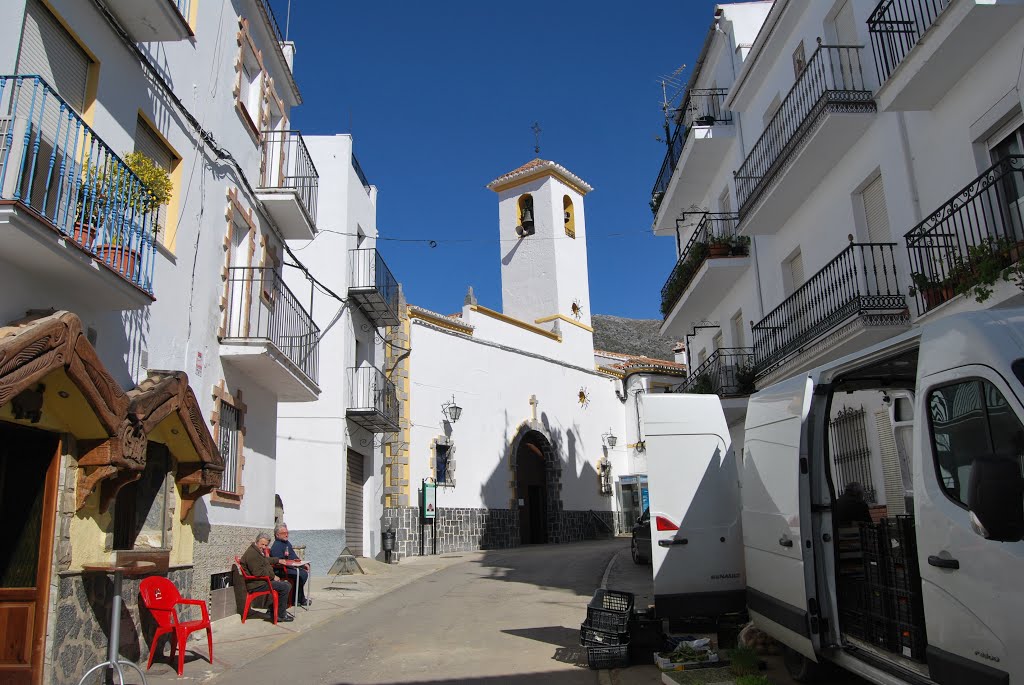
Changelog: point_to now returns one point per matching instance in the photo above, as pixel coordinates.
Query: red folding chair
(162, 598)
(253, 594)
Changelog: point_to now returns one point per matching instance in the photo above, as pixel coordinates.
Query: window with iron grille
(851, 453)
(229, 442)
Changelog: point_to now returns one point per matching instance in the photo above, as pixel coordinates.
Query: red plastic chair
(253, 594)
(161, 597)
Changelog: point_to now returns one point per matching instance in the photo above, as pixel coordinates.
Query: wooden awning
(51, 377)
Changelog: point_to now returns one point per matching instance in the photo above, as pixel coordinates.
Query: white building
(158, 379)
(839, 172)
(329, 449)
(545, 430)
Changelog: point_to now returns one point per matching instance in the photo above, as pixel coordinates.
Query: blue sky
(441, 97)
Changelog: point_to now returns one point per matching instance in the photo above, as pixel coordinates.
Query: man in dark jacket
(850, 507)
(295, 568)
(256, 562)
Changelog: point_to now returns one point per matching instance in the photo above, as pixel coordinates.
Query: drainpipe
(909, 164)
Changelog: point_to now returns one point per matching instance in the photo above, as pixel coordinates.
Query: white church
(514, 427)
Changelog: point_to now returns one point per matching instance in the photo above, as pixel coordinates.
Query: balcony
(289, 184)
(268, 335)
(372, 400)
(923, 47)
(971, 239)
(856, 300)
(154, 20)
(714, 257)
(372, 287)
(823, 115)
(728, 373)
(72, 213)
(698, 146)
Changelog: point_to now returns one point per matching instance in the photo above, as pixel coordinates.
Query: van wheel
(637, 559)
(799, 667)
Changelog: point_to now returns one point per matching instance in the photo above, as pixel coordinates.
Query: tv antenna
(672, 86)
(536, 137)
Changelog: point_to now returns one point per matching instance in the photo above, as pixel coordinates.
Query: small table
(114, 662)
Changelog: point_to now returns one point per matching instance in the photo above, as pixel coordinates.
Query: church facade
(543, 443)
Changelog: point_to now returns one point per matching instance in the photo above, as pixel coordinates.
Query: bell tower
(543, 241)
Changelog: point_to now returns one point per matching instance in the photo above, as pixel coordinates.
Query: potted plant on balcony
(656, 201)
(935, 291)
(740, 245)
(719, 246)
(139, 201)
(746, 374)
(703, 386)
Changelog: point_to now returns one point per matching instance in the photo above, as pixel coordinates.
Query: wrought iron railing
(896, 26)
(368, 270)
(287, 165)
(275, 28)
(979, 229)
(261, 307)
(359, 174)
(700, 108)
(728, 372)
(832, 79)
(860, 279)
(851, 451)
(715, 236)
(184, 8)
(52, 162)
(370, 389)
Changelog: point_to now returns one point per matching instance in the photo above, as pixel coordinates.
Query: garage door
(354, 503)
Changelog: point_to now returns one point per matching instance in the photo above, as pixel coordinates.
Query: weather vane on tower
(536, 135)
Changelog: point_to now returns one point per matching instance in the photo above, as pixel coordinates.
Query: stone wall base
(83, 621)
(466, 529)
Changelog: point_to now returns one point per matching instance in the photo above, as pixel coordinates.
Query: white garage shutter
(48, 50)
(875, 212)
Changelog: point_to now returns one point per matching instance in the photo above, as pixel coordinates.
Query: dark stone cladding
(467, 529)
(83, 621)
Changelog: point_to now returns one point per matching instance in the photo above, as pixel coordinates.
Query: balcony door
(47, 49)
(1010, 142)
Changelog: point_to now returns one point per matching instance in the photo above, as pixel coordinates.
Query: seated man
(256, 562)
(293, 566)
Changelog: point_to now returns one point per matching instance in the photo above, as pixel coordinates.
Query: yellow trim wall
(515, 322)
(567, 319)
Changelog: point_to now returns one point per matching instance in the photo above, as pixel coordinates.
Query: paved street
(509, 616)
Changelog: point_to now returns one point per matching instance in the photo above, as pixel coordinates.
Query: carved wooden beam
(111, 486)
(88, 480)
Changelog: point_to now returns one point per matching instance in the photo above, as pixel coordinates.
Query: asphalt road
(510, 617)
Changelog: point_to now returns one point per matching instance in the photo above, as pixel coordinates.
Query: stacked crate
(890, 611)
(605, 633)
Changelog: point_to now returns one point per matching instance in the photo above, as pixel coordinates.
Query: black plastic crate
(876, 603)
(592, 636)
(879, 632)
(853, 623)
(645, 631)
(608, 657)
(612, 600)
(909, 640)
(901, 539)
(607, 621)
(907, 607)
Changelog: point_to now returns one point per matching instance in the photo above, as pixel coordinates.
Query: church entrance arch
(537, 477)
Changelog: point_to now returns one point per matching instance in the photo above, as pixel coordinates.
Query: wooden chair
(162, 598)
(250, 595)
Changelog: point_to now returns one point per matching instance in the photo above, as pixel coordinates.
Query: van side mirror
(995, 496)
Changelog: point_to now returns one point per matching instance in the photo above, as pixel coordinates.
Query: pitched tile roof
(536, 167)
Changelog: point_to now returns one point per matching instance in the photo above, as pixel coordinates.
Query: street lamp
(609, 438)
(451, 411)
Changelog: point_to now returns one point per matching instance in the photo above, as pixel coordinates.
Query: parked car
(641, 545)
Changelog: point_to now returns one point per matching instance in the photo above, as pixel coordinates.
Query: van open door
(693, 482)
(777, 515)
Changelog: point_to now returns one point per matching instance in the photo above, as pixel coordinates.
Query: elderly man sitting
(256, 562)
(297, 571)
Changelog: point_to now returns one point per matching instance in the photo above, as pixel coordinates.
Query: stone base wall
(464, 529)
(217, 552)
(322, 547)
(83, 621)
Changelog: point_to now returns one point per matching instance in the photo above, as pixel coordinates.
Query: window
(876, 216)
(444, 461)
(140, 510)
(570, 216)
(49, 50)
(968, 420)
(228, 419)
(150, 144)
(793, 272)
(718, 342)
(249, 88)
(725, 202)
(738, 339)
(799, 60)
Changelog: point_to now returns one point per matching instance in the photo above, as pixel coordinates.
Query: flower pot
(121, 260)
(936, 295)
(718, 250)
(1016, 252)
(84, 235)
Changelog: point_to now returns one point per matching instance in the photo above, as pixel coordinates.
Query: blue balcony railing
(54, 164)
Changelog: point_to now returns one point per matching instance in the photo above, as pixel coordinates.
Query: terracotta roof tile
(537, 166)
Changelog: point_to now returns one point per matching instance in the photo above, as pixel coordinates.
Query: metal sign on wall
(429, 507)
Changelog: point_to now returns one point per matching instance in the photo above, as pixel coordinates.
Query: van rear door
(776, 514)
(693, 481)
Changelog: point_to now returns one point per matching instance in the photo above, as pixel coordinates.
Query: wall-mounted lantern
(609, 439)
(451, 411)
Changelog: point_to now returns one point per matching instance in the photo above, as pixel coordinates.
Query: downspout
(909, 164)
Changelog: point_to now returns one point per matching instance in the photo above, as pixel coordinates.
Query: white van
(943, 411)
(693, 485)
